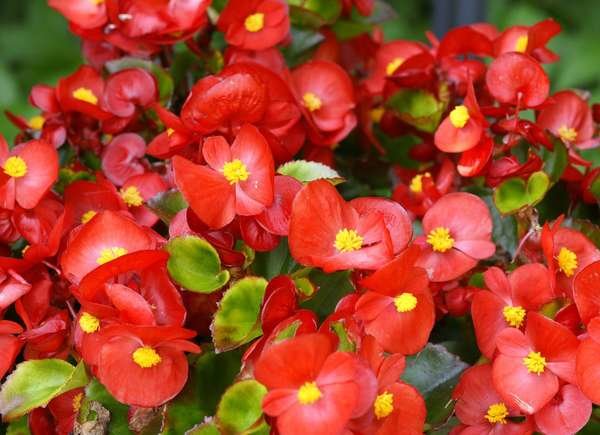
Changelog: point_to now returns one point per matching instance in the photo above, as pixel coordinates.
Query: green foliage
(167, 204)
(236, 321)
(96, 392)
(305, 171)
(195, 264)
(240, 407)
(417, 108)
(331, 288)
(34, 383)
(515, 194)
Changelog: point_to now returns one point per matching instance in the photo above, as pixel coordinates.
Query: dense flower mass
(257, 216)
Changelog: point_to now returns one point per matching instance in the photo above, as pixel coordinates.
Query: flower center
(440, 240)
(110, 254)
(567, 134)
(89, 323)
(514, 316)
(497, 413)
(36, 122)
(521, 44)
(347, 240)
(384, 405)
(235, 171)
(416, 184)
(309, 393)
(15, 167)
(567, 261)
(77, 402)
(255, 22)
(170, 132)
(146, 357)
(97, 2)
(535, 363)
(86, 95)
(405, 302)
(376, 114)
(131, 196)
(87, 216)
(393, 66)
(459, 116)
(311, 102)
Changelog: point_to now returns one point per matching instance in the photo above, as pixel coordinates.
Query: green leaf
(195, 264)
(514, 194)
(236, 321)
(167, 204)
(119, 422)
(417, 108)
(555, 161)
(204, 429)
(348, 29)
(19, 426)
(305, 171)
(314, 13)
(504, 232)
(241, 406)
(537, 186)
(595, 187)
(345, 342)
(163, 79)
(303, 43)
(34, 383)
(434, 372)
(331, 288)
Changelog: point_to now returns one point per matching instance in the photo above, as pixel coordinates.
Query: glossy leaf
(236, 321)
(195, 264)
(167, 204)
(305, 171)
(417, 108)
(241, 406)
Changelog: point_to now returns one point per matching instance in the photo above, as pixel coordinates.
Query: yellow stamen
(89, 323)
(170, 132)
(255, 22)
(309, 393)
(514, 316)
(384, 405)
(521, 44)
(86, 95)
(77, 402)
(393, 66)
(311, 102)
(110, 254)
(567, 261)
(497, 413)
(459, 116)
(131, 196)
(87, 216)
(15, 167)
(235, 171)
(535, 363)
(97, 2)
(440, 240)
(405, 302)
(567, 134)
(348, 240)
(36, 122)
(377, 114)
(146, 357)
(416, 184)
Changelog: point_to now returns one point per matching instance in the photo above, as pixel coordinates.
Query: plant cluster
(257, 216)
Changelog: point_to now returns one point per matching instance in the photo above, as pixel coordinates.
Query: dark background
(36, 46)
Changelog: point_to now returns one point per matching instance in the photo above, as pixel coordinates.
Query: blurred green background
(36, 46)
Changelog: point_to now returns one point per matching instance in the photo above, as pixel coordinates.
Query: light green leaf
(417, 108)
(241, 406)
(306, 171)
(195, 264)
(34, 383)
(167, 204)
(236, 321)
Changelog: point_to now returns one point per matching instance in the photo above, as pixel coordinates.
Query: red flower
(106, 237)
(457, 233)
(481, 409)
(461, 130)
(570, 118)
(588, 367)
(528, 368)
(567, 413)
(585, 292)
(530, 40)
(82, 92)
(84, 199)
(127, 89)
(327, 232)
(398, 309)
(517, 79)
(236, 180)
(29, 171)
(325, 92)
(84, 13)
(506, 305)
(121, 157)
(144, 365)
(11, 345)
(137, 190)
(311, 386)
(254, 24)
